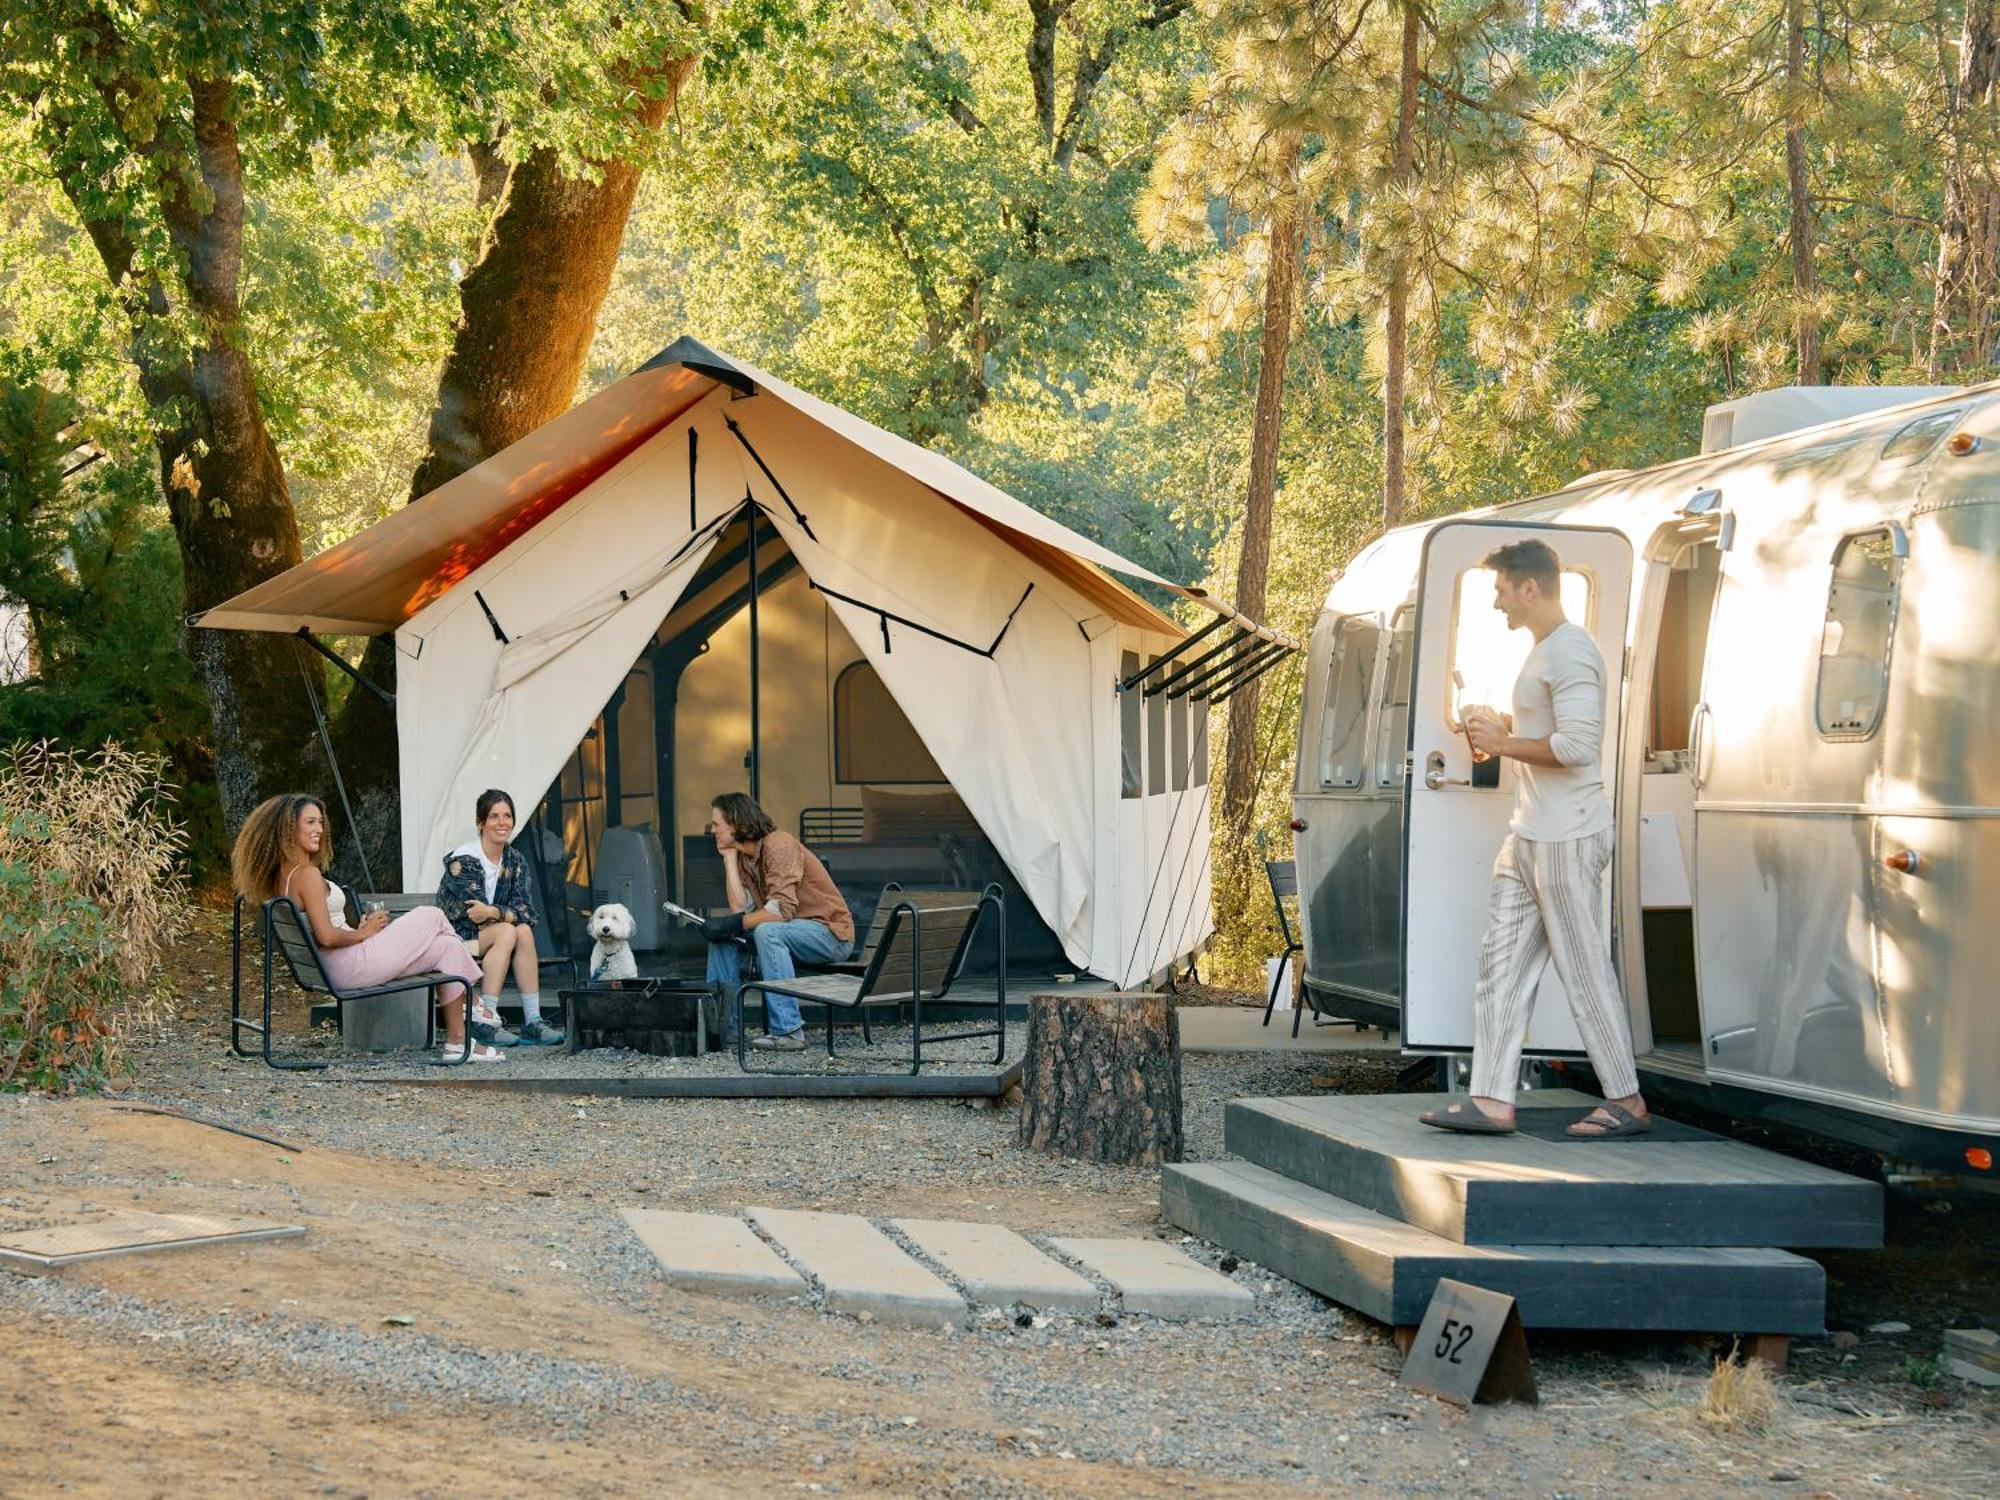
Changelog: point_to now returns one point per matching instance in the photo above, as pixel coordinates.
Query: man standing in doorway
(781, 897)
(1548, 883)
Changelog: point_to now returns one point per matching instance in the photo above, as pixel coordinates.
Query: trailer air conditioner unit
(1791, 408)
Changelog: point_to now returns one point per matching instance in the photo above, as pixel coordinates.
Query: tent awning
(374, 581)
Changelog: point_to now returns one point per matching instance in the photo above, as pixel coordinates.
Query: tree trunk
(1253, 564)
(1396, 334)
(219, 469)
(1805, 275)
(530, 307)
(1968, 270)
(1102, 1079)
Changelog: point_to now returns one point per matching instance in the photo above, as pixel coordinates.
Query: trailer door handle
(1434, 776)
(1697, 743)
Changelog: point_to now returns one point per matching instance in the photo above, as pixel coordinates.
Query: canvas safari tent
(703, 578)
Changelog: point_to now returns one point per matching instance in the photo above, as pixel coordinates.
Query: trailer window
(1343, 735)
(1486, 656)
(1854, 646)
(1392, 732)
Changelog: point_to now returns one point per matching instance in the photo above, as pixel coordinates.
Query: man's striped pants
(1548, 902)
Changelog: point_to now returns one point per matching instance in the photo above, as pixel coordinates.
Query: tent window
(1156, 742)
(1131, 707)
(1198, 708)
(1177, 713)
(1854, 645)
(872, 740)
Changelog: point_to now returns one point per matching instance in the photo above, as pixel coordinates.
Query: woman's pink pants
(415, 943)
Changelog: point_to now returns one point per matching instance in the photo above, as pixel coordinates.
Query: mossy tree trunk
(530, 305)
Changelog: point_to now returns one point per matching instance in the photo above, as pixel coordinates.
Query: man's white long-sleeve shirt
(1559, 697)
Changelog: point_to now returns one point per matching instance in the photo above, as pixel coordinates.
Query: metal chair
(1284, 877)
(916, 948)
(285, 931)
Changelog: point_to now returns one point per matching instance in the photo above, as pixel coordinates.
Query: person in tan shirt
(782, 899)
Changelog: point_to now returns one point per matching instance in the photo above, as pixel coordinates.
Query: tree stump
(1102, 1079)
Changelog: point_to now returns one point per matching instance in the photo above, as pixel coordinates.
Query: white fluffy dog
(611, 955)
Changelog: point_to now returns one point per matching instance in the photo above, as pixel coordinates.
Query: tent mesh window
(873, 741)
(1131, 708)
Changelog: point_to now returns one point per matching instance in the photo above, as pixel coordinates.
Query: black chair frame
(1283, 874)
(872, 987)
(308, 972)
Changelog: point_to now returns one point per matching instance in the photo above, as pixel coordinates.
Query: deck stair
(1680, 1229)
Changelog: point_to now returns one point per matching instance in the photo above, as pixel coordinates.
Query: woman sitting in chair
(284, 849)
(488, 897)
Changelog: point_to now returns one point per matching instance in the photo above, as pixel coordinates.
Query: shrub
(91, 894)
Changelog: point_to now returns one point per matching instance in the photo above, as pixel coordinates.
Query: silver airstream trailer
(1805, 903)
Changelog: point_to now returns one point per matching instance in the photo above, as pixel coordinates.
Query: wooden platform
(1353, 1197)
(1388, 1269)
(1679, 1186)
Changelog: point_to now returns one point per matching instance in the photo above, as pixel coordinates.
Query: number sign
(1470, 1347)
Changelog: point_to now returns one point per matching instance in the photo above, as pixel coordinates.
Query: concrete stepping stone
(1157, 1279)
(998, 1267)
(713, 1253)
(862, 1269)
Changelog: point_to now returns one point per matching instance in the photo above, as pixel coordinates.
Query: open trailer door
(1455, 814)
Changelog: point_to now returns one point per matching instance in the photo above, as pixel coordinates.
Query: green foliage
(1925, 1374)
(96, 570)
(90, 896)
(1031, 234)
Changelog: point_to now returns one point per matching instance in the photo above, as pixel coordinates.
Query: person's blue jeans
(777, 944)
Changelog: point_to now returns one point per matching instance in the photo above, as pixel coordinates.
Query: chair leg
(1271, 1003)
(1298, 1010)
(742, 1047)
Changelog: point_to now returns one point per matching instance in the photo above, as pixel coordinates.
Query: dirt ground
(460, 1318)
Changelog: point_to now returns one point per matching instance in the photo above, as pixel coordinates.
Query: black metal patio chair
(915, 950)
(286, 932)
(1284, 877)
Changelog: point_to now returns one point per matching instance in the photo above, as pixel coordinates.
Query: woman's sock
(489, 1005)
(531, 1007)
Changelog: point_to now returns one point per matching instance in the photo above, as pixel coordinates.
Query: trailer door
(1455, 817)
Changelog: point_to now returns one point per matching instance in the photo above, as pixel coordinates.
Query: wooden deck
(1675, 1186)
(1354, 1198)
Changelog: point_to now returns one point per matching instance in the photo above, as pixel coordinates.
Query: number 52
(1452, 1340)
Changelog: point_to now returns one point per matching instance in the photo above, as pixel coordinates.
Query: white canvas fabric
(1028, 736)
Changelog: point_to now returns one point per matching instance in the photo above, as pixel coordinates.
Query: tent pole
(756, 745)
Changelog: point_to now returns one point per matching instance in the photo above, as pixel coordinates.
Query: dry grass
(1740, 1396)
(91, 895)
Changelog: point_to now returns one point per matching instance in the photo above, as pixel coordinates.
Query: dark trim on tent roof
(703, 360)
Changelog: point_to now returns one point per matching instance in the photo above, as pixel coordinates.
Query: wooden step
(1675, 1186)
(1388, 1269)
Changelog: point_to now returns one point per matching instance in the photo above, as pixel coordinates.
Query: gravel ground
(512, 1197)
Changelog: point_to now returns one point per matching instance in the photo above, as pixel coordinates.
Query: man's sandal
(1623, 1122)
(1465, 1117)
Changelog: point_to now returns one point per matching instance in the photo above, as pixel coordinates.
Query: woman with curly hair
(283, 849)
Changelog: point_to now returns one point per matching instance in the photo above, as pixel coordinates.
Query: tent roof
(377, 579)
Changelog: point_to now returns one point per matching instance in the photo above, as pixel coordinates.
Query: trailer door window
(1854, 646)
(1343, 735)
(1486, 656)
(1392, 731)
